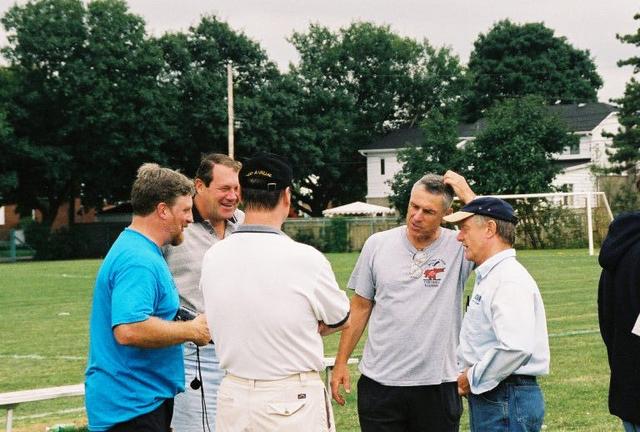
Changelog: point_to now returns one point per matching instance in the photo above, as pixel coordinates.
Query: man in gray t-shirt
(215, 216)
(408, 284)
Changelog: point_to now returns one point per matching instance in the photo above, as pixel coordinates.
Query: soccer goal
(561, 219)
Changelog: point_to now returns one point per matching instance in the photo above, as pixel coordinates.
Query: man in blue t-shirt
(135, 365)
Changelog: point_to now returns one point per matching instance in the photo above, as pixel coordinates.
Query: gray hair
(434, 184)
(505, 230)
(155, 184)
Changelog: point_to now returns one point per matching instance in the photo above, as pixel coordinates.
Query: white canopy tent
(359, 208)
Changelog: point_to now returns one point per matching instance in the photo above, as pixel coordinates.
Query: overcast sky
(587, 24)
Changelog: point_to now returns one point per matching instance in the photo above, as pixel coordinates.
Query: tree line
(87, 95)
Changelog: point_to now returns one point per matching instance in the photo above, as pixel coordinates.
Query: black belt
(519, 379)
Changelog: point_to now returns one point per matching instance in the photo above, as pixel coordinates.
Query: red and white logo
(434, 272)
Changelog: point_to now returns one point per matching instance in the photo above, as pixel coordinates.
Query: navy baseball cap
(266, 171)
(494, 208)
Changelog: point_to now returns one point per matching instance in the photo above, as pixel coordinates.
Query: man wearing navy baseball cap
(504, 344)
(266, 172)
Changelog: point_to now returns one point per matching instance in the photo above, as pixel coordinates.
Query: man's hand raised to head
(459, 185)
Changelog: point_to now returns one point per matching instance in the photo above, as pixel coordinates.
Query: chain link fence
(337, 234)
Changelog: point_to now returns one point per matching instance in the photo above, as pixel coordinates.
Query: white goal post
(589, 204)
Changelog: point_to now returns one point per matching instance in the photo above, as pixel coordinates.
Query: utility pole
(230, 106)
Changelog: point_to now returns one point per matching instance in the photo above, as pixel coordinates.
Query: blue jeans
(187, 409)
(630, 427)
(515, 405)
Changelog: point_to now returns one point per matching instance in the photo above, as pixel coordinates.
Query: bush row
(541, 226)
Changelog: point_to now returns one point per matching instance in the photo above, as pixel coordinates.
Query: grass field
(44, 323)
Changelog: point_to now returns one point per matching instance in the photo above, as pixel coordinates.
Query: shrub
(337, 234)
(545, 225)
(61, 244)
(307, 237)
(36, 235)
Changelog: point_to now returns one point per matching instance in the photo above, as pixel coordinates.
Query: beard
(177, 239)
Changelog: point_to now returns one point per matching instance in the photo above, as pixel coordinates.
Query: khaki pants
(298, 403)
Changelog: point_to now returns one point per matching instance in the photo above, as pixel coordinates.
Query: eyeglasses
(418, 260)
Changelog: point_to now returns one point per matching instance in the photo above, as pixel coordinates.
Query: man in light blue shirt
(504, 344)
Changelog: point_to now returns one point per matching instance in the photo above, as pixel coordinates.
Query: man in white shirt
(504, 344)
(270, 300)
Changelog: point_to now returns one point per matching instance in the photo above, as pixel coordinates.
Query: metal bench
(11, 400)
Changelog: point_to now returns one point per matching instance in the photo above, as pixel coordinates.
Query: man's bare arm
(326, 330)
(360, 313)
(158, 333)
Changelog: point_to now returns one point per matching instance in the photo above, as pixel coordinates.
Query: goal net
(560, 219)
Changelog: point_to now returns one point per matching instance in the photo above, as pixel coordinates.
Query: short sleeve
(134, 295)
(332, 304)
(362, 279)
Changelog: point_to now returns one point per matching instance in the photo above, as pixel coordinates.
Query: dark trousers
(429, 408)
(158, 420)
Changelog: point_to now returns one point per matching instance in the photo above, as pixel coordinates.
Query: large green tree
(84, 104)
(513, 154)
(8, 175)
(436, 154)
(359, 82)
(306, 127)
(513, 60)
(194, 80)
(626, 143)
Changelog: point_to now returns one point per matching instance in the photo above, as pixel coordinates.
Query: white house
(588, 121)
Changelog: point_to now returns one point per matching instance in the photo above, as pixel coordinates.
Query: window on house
(567, 200)
(2, 215)
(381, 166)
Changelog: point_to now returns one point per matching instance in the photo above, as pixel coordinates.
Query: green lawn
(45, 309)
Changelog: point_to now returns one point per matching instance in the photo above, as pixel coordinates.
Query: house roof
(580, 166)
(468, 130)
(579, 118)
(397, 139)
(568, 164)
(583, 117)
